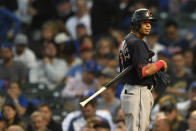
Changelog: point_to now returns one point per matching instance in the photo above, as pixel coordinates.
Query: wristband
(159, 64)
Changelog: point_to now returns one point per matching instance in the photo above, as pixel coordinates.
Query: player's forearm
(151, 69)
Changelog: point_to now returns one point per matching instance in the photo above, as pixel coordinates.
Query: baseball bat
(115, 79)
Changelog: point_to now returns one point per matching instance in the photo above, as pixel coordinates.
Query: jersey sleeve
(140, 57)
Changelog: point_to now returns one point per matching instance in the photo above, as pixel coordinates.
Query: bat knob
(83, 103)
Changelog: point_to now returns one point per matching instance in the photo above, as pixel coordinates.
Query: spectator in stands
(120, 125)
(180, 80)
(11, 116)
(70, 54)
(75, 121)
(22, 12)
(15, 128)
(154, 45)
(104, 46)
(108, 101)
(172, 39)
(8, 19)
(174, 118)
(22, 53)
(87, 81)
(64, 10)
(41, 11)
(102, 125)
(17, 98)
(2, 123)
(118, 114)
(184, 106)
(105, 52)
(87, 41)
(81, 30)
(111, 61)
(2, 99)
(190, 61)
(81, 17)
(76, 87)
(118, 35)
(9, 69)
(192, 121)
(60, 40)
(90, 123)
(47, 34)
(51, 124)
(38, 122)
(160, 99)
(50, 70)
(60, 26)
(107, 61)
(86, 54)
(192, 105)
(49, 31)
(161, 123)
(164, 55)
(177, 7)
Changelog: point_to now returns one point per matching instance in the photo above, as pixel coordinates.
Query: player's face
(145, 27)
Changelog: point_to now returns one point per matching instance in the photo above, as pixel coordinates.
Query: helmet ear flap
(135, 25)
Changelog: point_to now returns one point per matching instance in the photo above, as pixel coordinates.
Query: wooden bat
(115, 79)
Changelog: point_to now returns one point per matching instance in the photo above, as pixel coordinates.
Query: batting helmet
(141, 14)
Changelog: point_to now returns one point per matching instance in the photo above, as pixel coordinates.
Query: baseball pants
(136, 103)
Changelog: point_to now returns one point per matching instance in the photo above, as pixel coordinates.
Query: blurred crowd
(56, 53)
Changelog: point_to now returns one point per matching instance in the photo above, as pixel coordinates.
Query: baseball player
(136, 97)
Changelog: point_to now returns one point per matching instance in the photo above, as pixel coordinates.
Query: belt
(150, 87)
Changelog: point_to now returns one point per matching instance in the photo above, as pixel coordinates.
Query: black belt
(150, 87)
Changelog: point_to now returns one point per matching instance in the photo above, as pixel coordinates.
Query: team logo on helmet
(148, 14)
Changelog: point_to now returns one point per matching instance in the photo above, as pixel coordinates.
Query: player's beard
(144, 34)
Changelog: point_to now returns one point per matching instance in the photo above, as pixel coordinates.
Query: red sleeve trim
(159, 64)
(143, 71)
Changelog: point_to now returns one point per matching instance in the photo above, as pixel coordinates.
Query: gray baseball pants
(136, 103)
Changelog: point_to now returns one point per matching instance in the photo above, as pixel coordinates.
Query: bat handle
(83, 103)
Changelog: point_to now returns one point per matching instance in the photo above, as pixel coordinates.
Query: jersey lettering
(124, 53)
